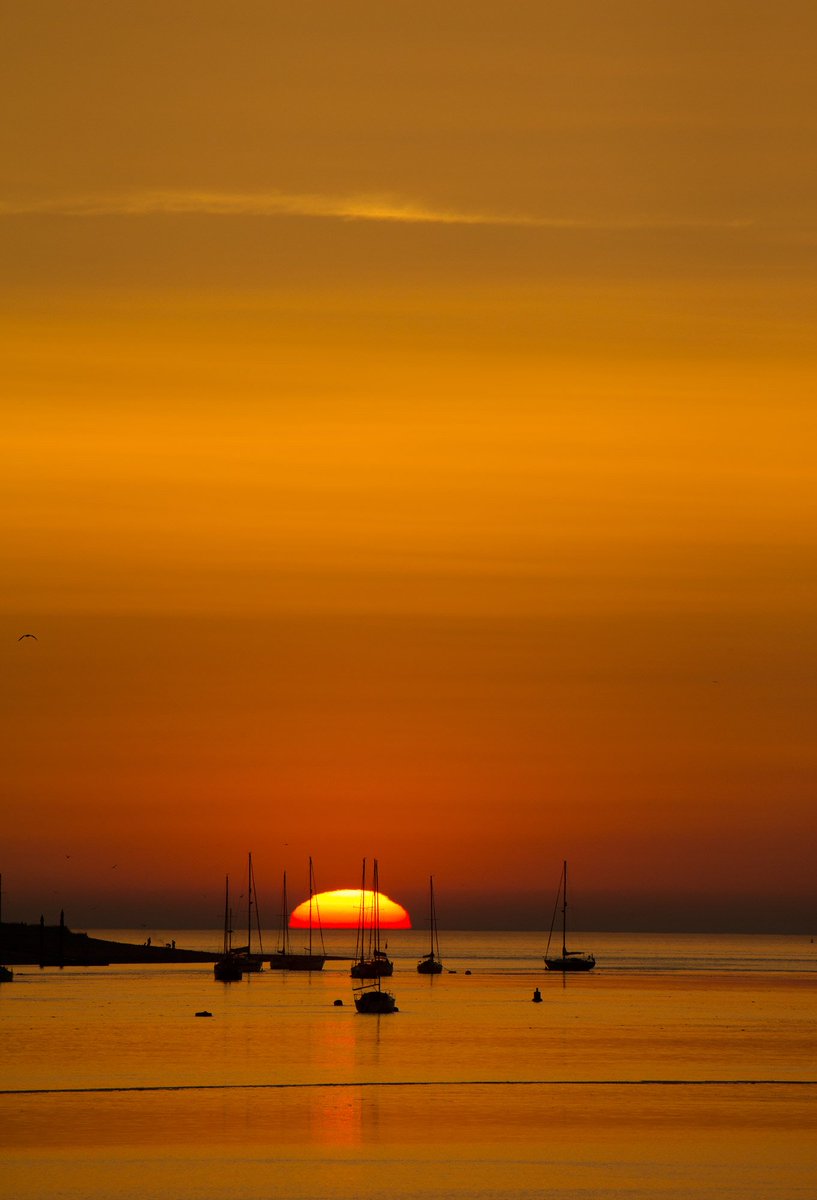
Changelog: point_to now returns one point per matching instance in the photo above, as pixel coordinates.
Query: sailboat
(227, 969)
(372, 963)
(249, 961)
(431, 963)
(568, 960)
(6, 973)
(287, 959)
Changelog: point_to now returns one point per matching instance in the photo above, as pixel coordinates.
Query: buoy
(338, 1003)
(467, 972)
(204, 1013)
(537, 996)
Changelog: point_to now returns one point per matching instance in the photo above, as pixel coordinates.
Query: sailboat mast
(314, 905)
(311, 892)
(284, 917)
(564, 909)
(226, 910)
(249, 902)
(431, 914)
(432, 920)
(376, 910)
(257, 913)
(361, 918)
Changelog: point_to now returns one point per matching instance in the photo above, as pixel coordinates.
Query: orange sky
(408, 450)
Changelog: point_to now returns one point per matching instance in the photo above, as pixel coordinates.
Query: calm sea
(683, 1066)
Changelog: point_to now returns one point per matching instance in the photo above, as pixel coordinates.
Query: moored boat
(374, 1001)
(372, 962)
(228, 968)
(251, 962)
(568, 960)
(431, 963)
(377, 966)
(287, 959)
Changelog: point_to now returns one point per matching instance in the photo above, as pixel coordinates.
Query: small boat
(287, 959)
(228, 968)
(431, 963)
(6, 973)
(372, 963)
(373, 1001)
(568, 960)
(251, 962)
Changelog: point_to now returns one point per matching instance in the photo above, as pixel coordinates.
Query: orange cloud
(352, 207)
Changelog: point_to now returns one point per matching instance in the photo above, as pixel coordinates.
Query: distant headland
(58, 946)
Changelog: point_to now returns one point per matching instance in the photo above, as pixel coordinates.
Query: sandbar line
(411, 1083)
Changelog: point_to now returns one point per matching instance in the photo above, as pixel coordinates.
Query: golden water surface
(631, 1081)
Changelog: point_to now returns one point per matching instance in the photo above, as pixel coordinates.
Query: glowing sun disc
(340, 909)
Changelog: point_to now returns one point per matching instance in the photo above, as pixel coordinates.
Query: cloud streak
(371, 208)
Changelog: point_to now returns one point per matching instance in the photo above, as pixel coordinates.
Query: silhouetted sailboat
(251, 962)
(372, 963)
(431, 964)
(228, 969)
(568, 960)
(287, 959)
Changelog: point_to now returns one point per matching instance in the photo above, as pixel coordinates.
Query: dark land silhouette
(58, 946)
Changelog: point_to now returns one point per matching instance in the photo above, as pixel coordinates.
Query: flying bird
(25, 635)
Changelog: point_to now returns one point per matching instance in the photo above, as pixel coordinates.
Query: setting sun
(340, 909)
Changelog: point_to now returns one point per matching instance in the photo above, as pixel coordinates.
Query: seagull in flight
(25, 635)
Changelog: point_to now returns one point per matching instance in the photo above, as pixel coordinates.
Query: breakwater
(58, 946)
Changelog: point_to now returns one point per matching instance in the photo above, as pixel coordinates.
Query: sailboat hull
(296, 962)
(227, 970)
(573, 962)
(375, 1003)
(372, 968)
(429, 966)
